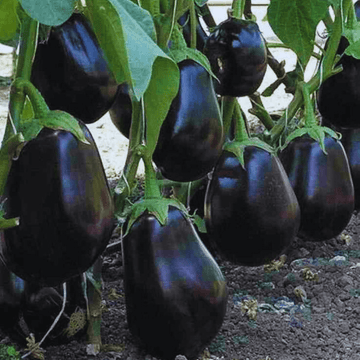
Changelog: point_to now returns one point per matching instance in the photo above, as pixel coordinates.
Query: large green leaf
(162, 89)
(126, 33)
(8, 19)
(49, 12)
(295, 22)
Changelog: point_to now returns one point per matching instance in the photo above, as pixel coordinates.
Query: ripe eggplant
(351, 142)
(71, 72)
(191, 136)
(322, 184)
(251, 212)
(58, 188)
(237, 54)
(175, 293)
(121, 110)
(338, 98)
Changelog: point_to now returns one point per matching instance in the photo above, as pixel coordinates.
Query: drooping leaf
(8, 19)
(300, 17)
(162, 89)
(49, 12)
(126, 34)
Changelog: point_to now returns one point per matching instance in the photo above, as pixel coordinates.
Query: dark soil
(323, 324)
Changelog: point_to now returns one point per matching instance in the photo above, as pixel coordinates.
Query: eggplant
(251, 212)
(322, 184)
(191, 136)
(58, 188)
(121, 110)
(237, 54)
(175, 293)
(71, 72)
(351, 141)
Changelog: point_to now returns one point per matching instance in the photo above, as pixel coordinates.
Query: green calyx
(238, 147)
(159, 207)
(316, 132)
(152, 202)
(311, 127)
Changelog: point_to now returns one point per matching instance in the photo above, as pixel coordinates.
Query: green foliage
(241, 340)
(8, 352)
(218, 345)
(299, 17)
(49, 12)
(8, 19)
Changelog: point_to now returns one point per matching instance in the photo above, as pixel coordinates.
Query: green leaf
(8, 19)
(238, 148)
(159, 207)
(163, 87)
(300, 17)
(296, 133)
(200, 3)
(49, 12)
(179, 55)
(199, 222)
(126, 34)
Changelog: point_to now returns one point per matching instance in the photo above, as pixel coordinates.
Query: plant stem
(193, 25)
(94, 300)
(241, 132)
(238, 7)
(228, 110)
(152, 190)
(28, 40)
(310, 119)
(259, 111)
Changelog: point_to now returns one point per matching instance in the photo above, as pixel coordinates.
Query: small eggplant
(322, 184)
(251, 212)
(351, 142)
(121, 110)
(71, 72)
(11, 295)
(238, 57)
(175, 293)
(58, 188)
(191, 136)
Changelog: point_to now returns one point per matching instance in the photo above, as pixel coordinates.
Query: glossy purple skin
(351, 142)
(191, 136)
(121, 110)
(322, 184)
(237, 54)
(338, 97)
(59, 190)
(251, 215)
(71, 72)
(171, 280)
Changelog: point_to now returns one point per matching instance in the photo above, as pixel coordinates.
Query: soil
(323, 323)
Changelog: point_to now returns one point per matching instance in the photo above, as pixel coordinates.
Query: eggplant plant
(143, 62)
